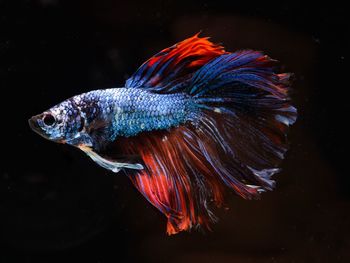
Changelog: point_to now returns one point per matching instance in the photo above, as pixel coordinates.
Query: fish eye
(49, 119)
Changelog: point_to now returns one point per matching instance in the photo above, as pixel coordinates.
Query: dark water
(56, 205)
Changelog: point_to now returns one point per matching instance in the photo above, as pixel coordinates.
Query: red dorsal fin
(175, 64)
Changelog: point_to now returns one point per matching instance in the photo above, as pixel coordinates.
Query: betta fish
(193, 120)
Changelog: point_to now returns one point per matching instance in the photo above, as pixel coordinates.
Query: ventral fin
(107, 163)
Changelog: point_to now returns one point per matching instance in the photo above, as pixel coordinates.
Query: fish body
(131, 111)
(192, 120)
(120, 112)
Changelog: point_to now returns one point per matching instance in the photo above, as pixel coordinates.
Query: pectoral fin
(114, 166)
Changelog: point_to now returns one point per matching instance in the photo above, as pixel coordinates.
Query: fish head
(60, 123)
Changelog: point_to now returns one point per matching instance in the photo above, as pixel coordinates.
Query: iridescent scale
(131, 111)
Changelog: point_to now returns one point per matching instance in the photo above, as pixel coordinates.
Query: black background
(56, 205)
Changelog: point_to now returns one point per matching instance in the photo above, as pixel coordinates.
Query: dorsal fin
(175, 64)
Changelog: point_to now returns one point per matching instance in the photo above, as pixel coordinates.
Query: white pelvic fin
(108, 164)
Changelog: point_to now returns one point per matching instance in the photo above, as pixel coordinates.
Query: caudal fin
(237, 140)
(247, 112)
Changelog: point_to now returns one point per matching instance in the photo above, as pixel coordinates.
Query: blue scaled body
(127, 112)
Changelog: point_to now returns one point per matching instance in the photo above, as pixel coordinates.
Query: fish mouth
(33, 124)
